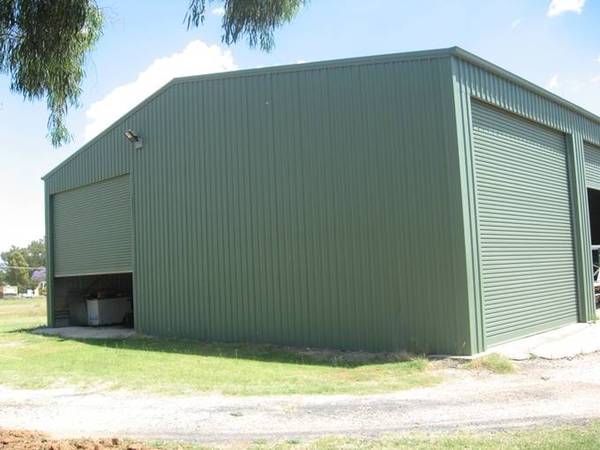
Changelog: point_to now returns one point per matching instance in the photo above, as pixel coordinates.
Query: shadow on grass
(240, 350)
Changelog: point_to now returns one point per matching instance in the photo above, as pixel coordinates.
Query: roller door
(93, 229)
(525, 226)
(592, 166)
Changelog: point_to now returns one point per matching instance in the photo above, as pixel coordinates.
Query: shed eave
(326, 64)
(499, 71)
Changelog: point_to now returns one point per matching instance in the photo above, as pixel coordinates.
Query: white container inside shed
(108, 311)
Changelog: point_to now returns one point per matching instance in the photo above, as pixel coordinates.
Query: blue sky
(146, 42)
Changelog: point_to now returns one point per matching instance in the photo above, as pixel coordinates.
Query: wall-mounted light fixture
(134, 138)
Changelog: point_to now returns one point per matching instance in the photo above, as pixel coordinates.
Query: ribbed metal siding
(506, 94)
(524, 214)
(472, 81)
(303, 205)
(592, 166)
(93, 229)
(309, 208)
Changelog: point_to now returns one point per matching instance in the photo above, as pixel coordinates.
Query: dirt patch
(28, 440)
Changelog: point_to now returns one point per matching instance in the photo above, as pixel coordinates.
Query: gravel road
(540, 393)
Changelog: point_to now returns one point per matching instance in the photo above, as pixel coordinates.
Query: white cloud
(515, 23)
(195, 59)
(218, 11)
(552, 82)
(301, 61)
(558, 7)
(596, 79)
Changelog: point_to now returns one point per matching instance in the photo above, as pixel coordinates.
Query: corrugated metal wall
(475, 78)
(307, 207)
(315, 205)
(324, 204)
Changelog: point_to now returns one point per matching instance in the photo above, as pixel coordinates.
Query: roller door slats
(93, 231)
(493, 159)
(526, 314)
(524, 220)
(592, 166)
(530, 327)
(499, 279)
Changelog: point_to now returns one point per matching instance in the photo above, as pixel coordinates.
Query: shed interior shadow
(73, 293)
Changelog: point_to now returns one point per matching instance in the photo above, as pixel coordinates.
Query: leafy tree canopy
(256, 20)
(21, 264)
(34, 253)
(17, 272)
(43, 43)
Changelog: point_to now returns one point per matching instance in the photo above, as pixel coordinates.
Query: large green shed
(425, 201)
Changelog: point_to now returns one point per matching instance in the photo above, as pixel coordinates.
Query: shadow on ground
(248, 351)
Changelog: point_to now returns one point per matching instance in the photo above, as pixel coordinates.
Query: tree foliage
(34, 253)
(17, 273)
(21, 263)
(44, 43)
(256, 20)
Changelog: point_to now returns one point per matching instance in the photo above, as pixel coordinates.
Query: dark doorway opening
(594, 210)
(94, 300)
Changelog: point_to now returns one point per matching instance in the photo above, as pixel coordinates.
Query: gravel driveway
(541, 393)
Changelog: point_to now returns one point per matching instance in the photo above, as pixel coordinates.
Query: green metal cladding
(477, 80)
(328, 204)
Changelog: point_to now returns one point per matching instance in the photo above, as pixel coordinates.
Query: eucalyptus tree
(44, 43)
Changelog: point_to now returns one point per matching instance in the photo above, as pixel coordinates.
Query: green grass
(176, 366)
(493, 363)
(16, 314)
(572, 438)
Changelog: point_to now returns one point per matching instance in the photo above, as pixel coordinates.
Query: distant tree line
(24, 267)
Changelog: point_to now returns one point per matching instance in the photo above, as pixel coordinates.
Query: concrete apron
(566, 342)
(87, 332)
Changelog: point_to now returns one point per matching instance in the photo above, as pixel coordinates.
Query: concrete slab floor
(115, 332)
(565, 342)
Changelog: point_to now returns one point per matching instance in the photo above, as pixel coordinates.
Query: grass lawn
(176, 366)
(572, 438)
(559, 438)
(493, 362)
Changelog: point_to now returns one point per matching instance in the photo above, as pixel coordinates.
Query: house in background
(430, 202)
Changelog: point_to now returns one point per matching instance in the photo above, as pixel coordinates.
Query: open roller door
(93, 254)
